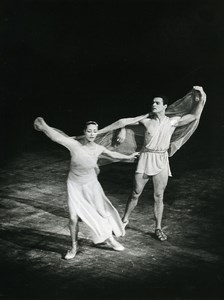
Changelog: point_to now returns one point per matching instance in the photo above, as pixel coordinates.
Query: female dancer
(86, 198)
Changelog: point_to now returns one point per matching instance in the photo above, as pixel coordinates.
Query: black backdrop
(72, 61)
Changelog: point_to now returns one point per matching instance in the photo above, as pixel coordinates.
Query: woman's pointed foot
(72, 253)
(115, 244)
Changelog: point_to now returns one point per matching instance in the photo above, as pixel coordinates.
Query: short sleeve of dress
(100, 149)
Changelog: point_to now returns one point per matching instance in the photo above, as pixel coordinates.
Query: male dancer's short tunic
(154, 156)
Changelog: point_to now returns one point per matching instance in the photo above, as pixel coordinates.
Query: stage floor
(34, 236)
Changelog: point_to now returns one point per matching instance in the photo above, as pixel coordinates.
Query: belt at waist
(153, 151)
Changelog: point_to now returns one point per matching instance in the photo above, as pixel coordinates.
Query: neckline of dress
(90, 150)
(90, 147)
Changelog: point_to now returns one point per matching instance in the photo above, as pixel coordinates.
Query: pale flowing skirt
(86, 198)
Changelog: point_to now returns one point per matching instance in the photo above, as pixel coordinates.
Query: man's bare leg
(159, 182)
(139, 183)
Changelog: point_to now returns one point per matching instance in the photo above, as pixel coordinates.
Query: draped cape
(107, 136)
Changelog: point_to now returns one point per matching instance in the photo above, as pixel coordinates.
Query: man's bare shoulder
(146, 122)
(174, 120)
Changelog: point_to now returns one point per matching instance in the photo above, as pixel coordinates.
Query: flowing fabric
(107, 136)
(180, 108)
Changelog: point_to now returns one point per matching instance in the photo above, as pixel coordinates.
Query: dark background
(72, 61)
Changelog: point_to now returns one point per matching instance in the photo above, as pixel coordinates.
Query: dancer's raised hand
(201, 91)
(38, 123)
(121, 135)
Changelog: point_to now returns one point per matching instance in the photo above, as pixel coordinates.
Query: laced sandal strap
(160, 235)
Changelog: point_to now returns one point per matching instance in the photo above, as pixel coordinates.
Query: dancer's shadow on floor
(31, 239)
(34, 239)
(138, 230)
(50, 208)
(151, 234)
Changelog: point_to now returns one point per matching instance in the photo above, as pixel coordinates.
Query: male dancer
(153, 161)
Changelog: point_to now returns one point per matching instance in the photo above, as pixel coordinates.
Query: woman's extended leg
(74, 229)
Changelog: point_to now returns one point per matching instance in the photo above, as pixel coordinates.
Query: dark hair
(165, 99)
(89, 123)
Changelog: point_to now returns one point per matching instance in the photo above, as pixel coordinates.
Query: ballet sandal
(160, 235)
(72, 253)
(115, 245)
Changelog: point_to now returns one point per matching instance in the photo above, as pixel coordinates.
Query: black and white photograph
(112, 150)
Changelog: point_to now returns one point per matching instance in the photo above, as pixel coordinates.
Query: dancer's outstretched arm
(122, 123)
(54, 134)
(117, 155)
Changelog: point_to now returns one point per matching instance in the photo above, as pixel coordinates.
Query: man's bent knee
(134, 196)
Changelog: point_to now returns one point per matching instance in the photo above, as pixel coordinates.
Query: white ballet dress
(86, 197)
